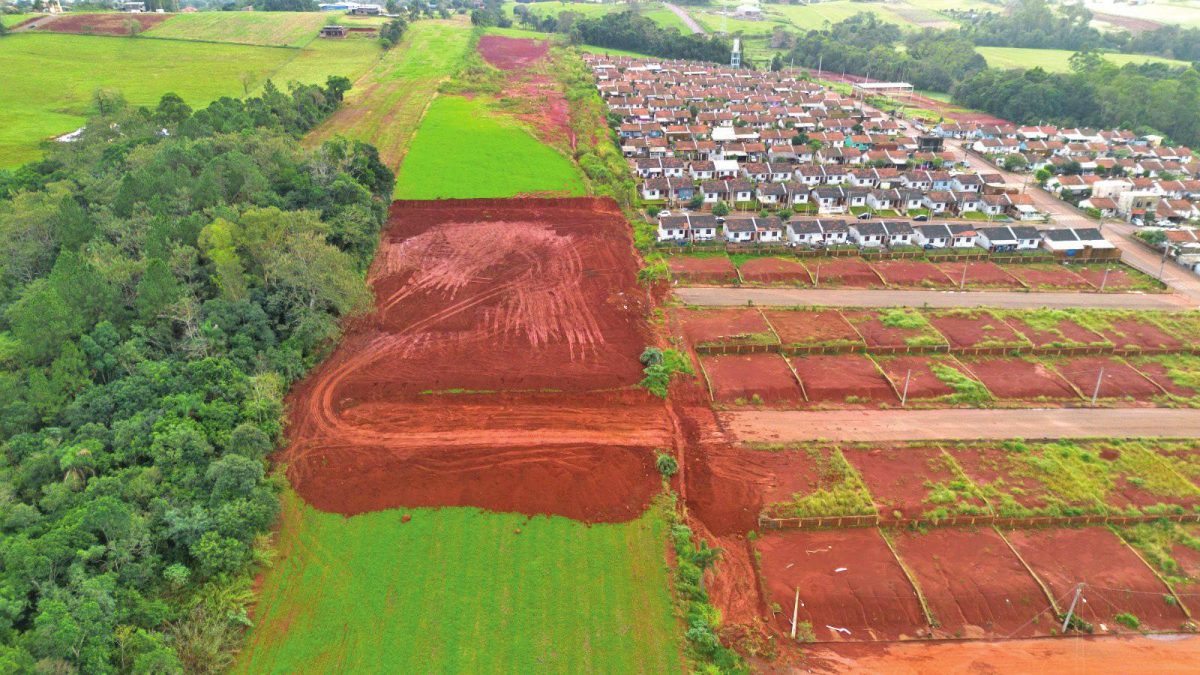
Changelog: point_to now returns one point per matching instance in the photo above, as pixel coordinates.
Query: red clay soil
(512, 53)
(114, 23)
(1049, 278)
(979, 275)
(1001, 469)
(967, 329)
(1131, 490)
(1134, 333)
(744, 377)
(1119, 380)
(896, 477)
(505, 298)
(876, 334)
(973, 584)
(812, 327)
(843, 273)
(1016, 378)
(769, 270)
(922, 383)
(723, 326)
(1069, 334)
(833, 379)
(848, 579)
(1188, 560)
(692, 270)
(550, 117)
(1157, 372)
(912, 274)
(1117, 279)
(1117, 581)
(1129, 23)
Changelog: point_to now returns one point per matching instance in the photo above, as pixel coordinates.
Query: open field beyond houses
(783, 426)
(793, 297)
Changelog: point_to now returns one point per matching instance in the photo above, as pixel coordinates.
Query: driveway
(785, 426)
(685, 18)
(722, 296)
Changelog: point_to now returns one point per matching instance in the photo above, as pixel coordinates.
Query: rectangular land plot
(751, 378)
(1050, 328)
(774, 270)
(1049, 277)
(1117, 278)
(1117, 581)
(1177, 374)
(899, 328)
(974, 585)
(813, 328)
(1010, 479)
(1174, 550)
(912, 274)
(1134, 332)
(1116, 379)
(702, 269)
(736, 326)
(915, 482)
(843, 273)
(811, 482)
(980, 275)
(1019, 379)
(975, 329)
(848, 579)
(848, 378)
(921, 373)
(1141, 478)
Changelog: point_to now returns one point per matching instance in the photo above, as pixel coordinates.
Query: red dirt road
(496, 371)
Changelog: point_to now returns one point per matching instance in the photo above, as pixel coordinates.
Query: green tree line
(162, 281)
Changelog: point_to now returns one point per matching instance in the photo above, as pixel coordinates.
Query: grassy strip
(959, 496)
(1157, 543)
(841, 490)
(967, 390)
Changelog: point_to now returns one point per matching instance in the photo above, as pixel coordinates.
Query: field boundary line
(1038, 580)
(930, 619)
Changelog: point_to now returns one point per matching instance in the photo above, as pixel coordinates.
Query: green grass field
(14, 19)
(464, 150)
(458, 590)
(651, 10)
(1055, 60)
(1185, 13)
(277, 29)
(322, 58)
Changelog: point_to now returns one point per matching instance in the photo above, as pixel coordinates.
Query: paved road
(783, 426)
(720, 296)
(685, 18)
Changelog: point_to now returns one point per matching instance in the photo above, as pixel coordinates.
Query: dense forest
(631, 32)
(164, 279)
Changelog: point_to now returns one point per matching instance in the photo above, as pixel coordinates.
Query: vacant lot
(460, 590)
(274, 29)
(1056, 60)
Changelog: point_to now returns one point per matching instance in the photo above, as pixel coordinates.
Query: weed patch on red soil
(843, 273)
(1017, 378)
(980, 275)
(843, 379)
(725, 326)
(1116, 279)
(1154, 368)
(896, 328)
(510, 299)
(813, 328)
(968, 329)
(512, 53)
(974, 585)
(912, 274)
(1065, 333)
(922, 382)
(770, 270)
(902, 480)
(1050, 277)
(751, 378)
(848, 580)
(1118, 381)
(1137, 334)
(1117, 581)
(702, 270)
(1010, 485)
(115, 23)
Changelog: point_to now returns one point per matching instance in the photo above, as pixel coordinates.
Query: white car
(663, 214)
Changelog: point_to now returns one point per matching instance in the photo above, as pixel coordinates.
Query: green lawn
(14, 19)
(279, 29)
(459, 590)
(1185, 14)
(1055, 60)
(462, 149)
(59, 74)
(321, 58)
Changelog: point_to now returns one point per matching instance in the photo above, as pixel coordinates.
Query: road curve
(685, 18)
(728, 296)
(784, 426)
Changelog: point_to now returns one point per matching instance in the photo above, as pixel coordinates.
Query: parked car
(664, 213)
(921, 218)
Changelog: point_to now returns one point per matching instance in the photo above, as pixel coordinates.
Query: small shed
(333, 31)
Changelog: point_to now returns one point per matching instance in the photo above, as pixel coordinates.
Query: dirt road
(717, 296)
(685, 18)
(783, 426)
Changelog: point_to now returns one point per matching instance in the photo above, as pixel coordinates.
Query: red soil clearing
(876, 334)
(551, 115)
(774, 271)
(979, 275)
(723, 326)
(743, 377)
(512, 53)
(1189, 566)
(909, 273)
(974, 585)
(691, 270)
(1119, 381)
(836, 378)
(1138, 334)
(1069, 333)
(848, 579)
(502, 296)
(812, 328)
(1057, 278)
(1000, 468)
(1117, 279)
(116, 23)
(1131, 491)
(896, 477)
(975, 329)
(922, 383)
(1014, 378)
(1158, 373)
(843, 272)
(1117, 580)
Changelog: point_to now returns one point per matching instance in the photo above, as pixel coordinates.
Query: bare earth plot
(792, 297)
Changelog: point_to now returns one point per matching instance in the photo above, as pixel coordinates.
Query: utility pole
(1163, 266)
(904, 395)
(795, 612)
(818, 280)
(1071, 610)
(1104, 279)
(962, 284)
(1096, 391)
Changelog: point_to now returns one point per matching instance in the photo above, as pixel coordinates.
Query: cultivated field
(1184, 13)
(274, 29)
(1057, 60)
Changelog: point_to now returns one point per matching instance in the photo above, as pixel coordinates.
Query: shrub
(1128, 620)
(666, 465)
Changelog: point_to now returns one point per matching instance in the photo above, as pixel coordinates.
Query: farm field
(1184, 13)
(1056, 60)
(651, 10)
(14, 19)
(273, 29)
(466, 591)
